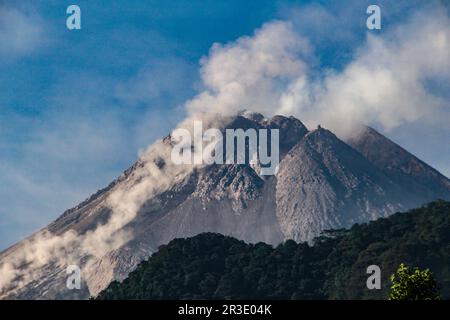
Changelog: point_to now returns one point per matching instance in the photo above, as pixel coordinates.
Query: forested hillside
(213, 266)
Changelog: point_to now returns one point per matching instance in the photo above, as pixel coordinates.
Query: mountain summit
(322, 183)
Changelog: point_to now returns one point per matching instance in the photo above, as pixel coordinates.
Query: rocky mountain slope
(322, 183)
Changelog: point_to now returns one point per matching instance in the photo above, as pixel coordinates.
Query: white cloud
(21, 32)
(159, 79)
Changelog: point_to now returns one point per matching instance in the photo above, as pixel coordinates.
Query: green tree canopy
(409, 284)
(213, 266)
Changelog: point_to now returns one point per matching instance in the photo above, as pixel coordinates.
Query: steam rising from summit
(271, 72)
(386, 84)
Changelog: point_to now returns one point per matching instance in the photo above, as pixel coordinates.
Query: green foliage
(408, 284)
(213, 266)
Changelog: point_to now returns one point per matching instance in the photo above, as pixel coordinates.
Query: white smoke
(150, 178)
(386, 84)
(251, 73)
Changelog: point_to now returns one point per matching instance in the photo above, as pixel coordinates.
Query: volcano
(323, 182)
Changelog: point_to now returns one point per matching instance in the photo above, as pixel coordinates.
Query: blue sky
(77, 106)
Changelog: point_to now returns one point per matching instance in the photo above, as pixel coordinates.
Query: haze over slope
(322, 183)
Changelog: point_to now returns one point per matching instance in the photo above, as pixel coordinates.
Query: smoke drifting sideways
(386, 83)
(28, 261)
(269, 72)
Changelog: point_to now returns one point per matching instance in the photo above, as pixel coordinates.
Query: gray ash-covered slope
(322, 183)
(407, 170)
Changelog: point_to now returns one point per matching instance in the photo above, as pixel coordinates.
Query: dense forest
(213, 266)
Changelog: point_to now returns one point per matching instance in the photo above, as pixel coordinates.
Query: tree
(408, 284)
